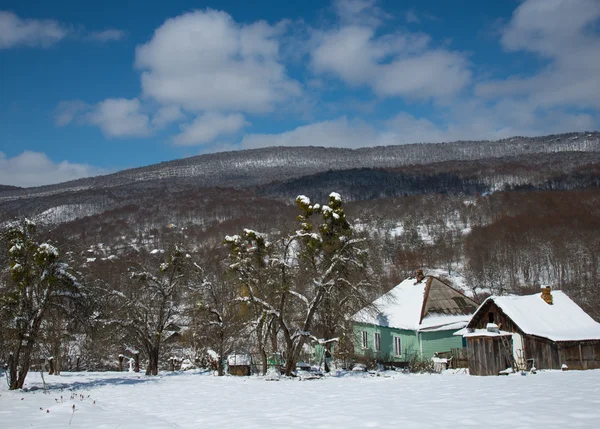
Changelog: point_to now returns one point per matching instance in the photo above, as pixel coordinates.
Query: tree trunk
(220, 354)
(24, 367)
(56, 355)
(292, 359)
(263, 356)
(327, 357)
(220, 367)
(12, 371)
(152, 368)
(136, 367)
(50, 365)
(290, 366)
(273, 332)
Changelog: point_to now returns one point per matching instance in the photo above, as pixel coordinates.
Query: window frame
(364, 339)
(397, 346)
(377, 341)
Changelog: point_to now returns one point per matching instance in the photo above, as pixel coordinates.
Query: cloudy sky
(88, 88)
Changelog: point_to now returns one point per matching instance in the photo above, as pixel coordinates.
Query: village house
(546, 330)
(415, 320)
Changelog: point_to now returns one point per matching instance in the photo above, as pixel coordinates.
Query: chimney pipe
(547, 295)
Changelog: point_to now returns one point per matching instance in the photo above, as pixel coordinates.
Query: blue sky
(87, 89)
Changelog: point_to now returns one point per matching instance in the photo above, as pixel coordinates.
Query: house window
(397, 346)
(377, 341)
(364, 339)
(490, 317)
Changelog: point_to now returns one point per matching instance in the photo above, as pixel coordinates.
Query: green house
(416, 319)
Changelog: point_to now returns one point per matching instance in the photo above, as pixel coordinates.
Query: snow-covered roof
(444, 323)
(481, 333)
(406, 307)
(562, 321)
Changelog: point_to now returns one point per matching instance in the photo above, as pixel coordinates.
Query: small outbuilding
(239, 364)
(545, 330)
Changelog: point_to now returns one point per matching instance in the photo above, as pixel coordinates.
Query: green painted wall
(441, 341)
(410, 343)
(430, 343)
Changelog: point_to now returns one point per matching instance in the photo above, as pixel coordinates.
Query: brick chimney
(420, 276)
(546, 295)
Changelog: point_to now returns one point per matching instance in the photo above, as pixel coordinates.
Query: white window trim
(364, 339)
(376, 344)
(397, 353)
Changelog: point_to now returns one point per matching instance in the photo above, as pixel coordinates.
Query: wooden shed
(488, 353)
(239, 364)
(545, 330)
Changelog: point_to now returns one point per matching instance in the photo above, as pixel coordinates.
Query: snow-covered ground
(551, 399)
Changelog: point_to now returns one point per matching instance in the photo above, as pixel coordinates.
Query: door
(518, 351)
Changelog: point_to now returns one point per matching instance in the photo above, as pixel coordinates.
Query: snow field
(549, 399)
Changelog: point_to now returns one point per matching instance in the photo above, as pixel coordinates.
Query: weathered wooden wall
(579, 354)
(543, 352)
(486, 356)
(240, 370)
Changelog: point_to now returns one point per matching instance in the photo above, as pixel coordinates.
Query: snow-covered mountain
(261, 166)
(366, 173)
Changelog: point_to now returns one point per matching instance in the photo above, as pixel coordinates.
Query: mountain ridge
(248, 167)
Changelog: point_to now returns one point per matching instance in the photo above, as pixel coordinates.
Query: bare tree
(217, 316)
(150, 303)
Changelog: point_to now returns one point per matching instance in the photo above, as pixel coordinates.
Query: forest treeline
(271, 294)
(505, 242)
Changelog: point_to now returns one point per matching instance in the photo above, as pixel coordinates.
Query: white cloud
(335, 133)
(360, 12)
(109, 35)
(563, 33)
(15, 31)
(35, 169)
(394, 64)
(67, 111)
(474, 121)
(117, 117)
(120, 117)
(551, 27)
(438, 73)
(166, 115)
(469, 120)
(411, 17)
(204, 60)
(208, 127)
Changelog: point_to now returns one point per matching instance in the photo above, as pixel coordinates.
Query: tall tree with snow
(334, 270)
(261, 279)
(309, 283)
(39, 282)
